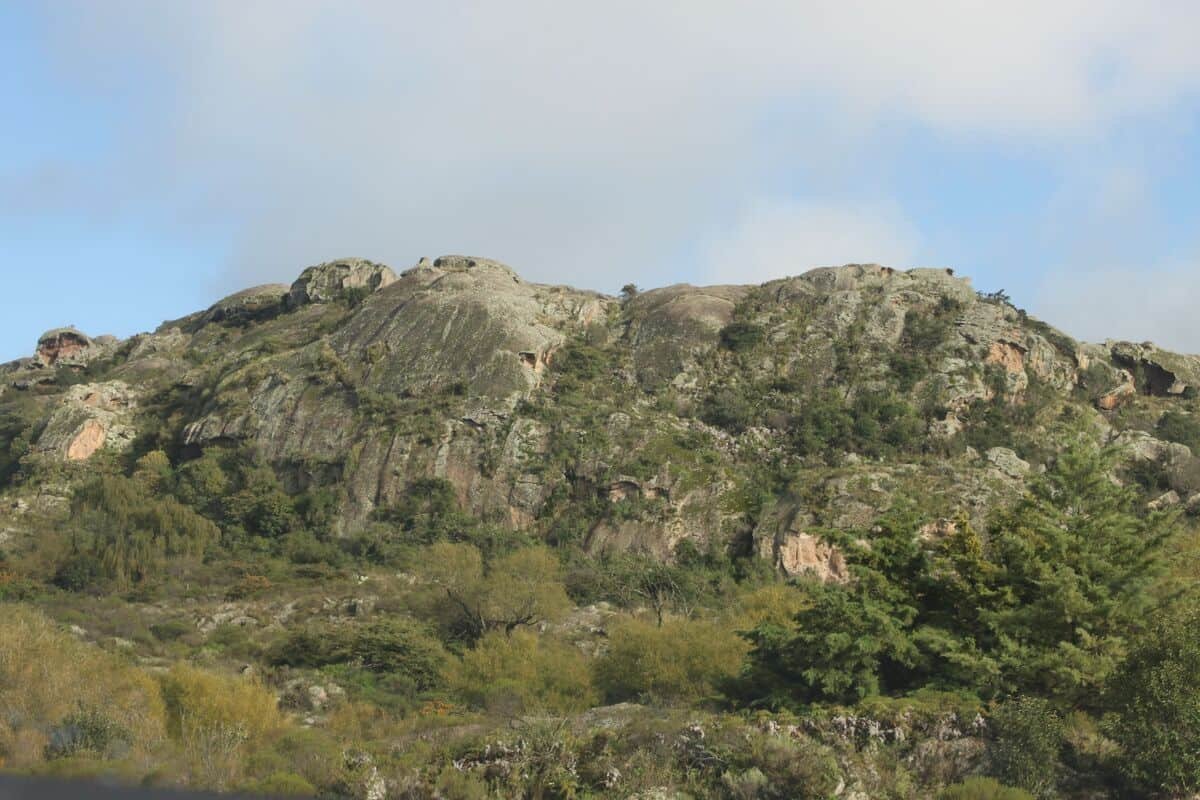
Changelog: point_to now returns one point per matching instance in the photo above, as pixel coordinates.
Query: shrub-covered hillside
(860, 533)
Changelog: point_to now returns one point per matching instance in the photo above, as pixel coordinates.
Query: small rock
(1168, 500)
(1008, 462)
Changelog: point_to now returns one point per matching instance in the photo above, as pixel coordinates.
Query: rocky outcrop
(69, 347)
(261, 302)
(1007, 463)
(327, 282)
(1157, 372)
(463, 321)
(90, 417)
(670, 327)
(363, 383)
(797, 553)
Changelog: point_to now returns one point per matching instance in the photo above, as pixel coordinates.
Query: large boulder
(90, 417)
(261, 302)
(69, 347)
(670, 327)
(327, 282)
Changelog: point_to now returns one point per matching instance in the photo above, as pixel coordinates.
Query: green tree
(1028, 737)
(519, 589)
(1076, 559)
(1155, 695)
(129, 531)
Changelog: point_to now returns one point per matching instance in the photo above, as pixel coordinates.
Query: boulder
(261, 302)
(91, 417)
(1007, 462)
(69, 347)
(327, 282)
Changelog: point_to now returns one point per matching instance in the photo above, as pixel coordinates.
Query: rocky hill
(743, 417)
(450, 534)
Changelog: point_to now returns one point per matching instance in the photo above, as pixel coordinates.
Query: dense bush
(678, 662)
(1181, 427)
(1155, 695)
(397, 646)
(1028, 739)
(523, 673)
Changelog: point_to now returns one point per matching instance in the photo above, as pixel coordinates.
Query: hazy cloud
(585, 143)
(773, 240)
(1138, 305)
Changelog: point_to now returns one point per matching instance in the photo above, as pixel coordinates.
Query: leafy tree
(399, 646)
(1043, 606)
(518, 589)
(1155, 695)
(129, 532)
(427, 512)
(739, 336)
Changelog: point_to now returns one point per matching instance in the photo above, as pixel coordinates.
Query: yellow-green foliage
(684, 660)
(129, 531)
(524, 672)
(47, 678)
(216, 720)
(522, 588)
(775, 603)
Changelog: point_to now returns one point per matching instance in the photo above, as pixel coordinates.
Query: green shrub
(171, 630)
(523, 672)
(739, 336)
(282, 784)
(680, 661)
(396, 646)
(1029, 737)
(88, 732)
(979, 788)
(1155, 695)
(1181, 427)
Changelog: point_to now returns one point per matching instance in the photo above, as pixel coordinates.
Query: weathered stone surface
(427, 378)
(462, 320)
(1158, 372)
(324, 283)
(1007, 462)
(69, 347)
(246, 306)
(669, 327)
(91, 417)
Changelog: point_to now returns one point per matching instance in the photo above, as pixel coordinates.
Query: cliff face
(741, 416)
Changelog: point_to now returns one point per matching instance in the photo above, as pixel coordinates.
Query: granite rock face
(532, 402)
(90, 417)
(324, 283)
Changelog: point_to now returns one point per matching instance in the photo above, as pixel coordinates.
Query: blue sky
(157, 156)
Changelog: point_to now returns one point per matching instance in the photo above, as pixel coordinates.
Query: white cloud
(587, 143)
(1137, 305)
(774, 240)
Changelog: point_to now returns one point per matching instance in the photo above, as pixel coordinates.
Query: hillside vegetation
(860, 533)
